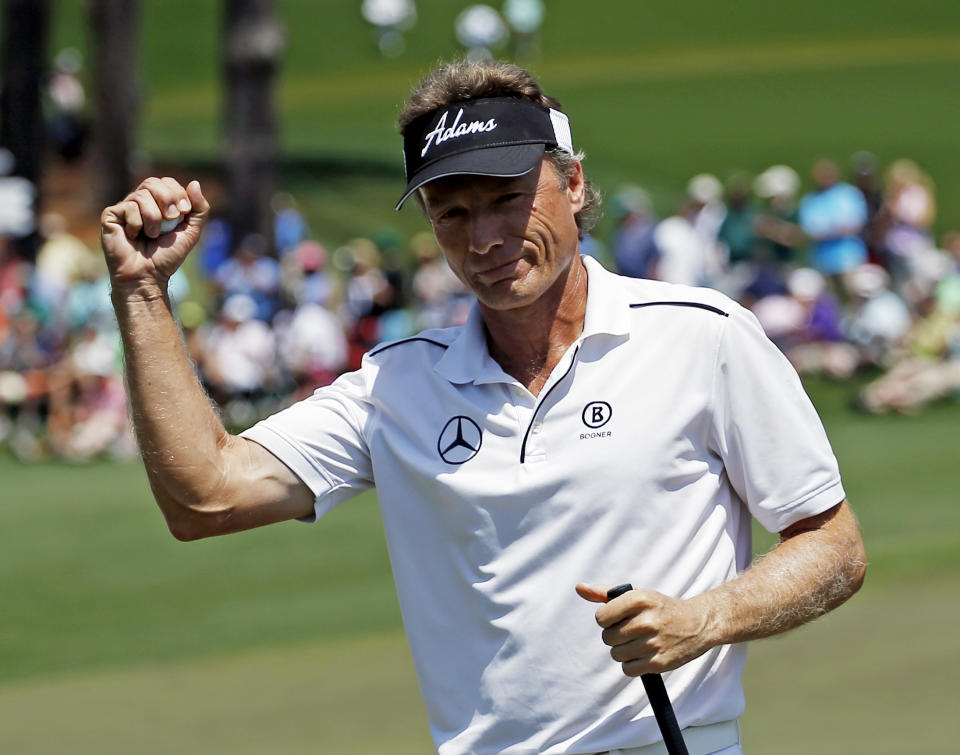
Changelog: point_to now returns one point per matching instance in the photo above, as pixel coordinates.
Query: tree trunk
(252, 44)
(116, 28)
(25, 27)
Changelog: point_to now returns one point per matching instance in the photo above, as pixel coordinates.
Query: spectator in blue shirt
(833, 215)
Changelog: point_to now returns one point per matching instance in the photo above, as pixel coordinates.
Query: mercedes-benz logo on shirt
(459, 440)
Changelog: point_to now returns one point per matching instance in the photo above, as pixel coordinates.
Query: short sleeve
(321, 439)
(765, 428)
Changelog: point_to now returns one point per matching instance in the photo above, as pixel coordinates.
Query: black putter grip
(657, 694)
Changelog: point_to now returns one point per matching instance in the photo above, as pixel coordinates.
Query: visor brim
(505, 162)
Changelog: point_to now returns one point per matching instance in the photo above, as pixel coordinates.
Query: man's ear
(576, 188)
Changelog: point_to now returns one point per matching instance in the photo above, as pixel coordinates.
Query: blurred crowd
(844, 277)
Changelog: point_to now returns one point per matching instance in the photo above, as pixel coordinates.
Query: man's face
(507, 239)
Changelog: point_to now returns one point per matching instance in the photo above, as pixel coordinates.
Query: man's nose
(485, 233)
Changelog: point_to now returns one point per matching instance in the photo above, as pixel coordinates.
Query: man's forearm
(816, 567)
(179, 434)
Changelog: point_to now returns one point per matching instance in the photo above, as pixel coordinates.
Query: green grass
(345, 696)
(877, 676)
(91, 577)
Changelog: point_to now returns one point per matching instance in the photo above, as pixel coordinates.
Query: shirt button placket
(525, 404)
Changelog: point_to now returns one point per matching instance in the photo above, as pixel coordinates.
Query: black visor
(501, 136)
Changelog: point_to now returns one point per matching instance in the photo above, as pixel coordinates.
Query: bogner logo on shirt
(595, 415)
(459, 440)
(442, 133)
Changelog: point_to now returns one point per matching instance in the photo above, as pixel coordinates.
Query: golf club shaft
(659, 699)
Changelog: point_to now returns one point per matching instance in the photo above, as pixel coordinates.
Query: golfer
(579, 431)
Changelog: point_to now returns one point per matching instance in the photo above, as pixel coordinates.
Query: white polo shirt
(666, 425)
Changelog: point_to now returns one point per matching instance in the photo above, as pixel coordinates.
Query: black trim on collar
(378, 349)
(694, 304)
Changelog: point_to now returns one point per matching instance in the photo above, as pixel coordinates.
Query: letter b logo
(596, 414)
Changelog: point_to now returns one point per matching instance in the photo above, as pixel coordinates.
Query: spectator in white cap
(239, 354)
(879, 318)
(687, 240)
(777, 224)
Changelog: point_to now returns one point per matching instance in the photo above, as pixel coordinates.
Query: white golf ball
(168, 225)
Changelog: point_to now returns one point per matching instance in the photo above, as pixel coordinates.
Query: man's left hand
(649, 632)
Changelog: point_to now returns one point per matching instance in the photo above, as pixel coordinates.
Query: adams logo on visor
(494, 136)
(442, 133)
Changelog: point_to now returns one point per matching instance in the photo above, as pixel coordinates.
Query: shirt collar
(607, 308)
(467, 359)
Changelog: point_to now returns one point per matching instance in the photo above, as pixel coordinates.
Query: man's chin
(506, 295)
